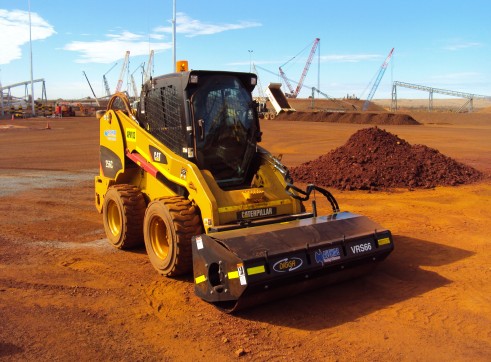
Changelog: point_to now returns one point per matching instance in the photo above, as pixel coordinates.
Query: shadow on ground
(400, 277)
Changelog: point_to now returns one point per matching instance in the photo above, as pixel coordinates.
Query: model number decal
(361, 248)
(131, 134)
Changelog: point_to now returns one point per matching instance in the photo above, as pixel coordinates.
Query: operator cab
(225, 126)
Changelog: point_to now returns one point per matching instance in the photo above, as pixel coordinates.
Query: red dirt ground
(65, 293)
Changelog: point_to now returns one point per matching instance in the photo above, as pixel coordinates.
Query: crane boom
(90, 85)
(106, 85)
(287, 82)
(123, 69)
(307, 66)
(260, 89)
(148, 71)
(377, 80)
(135, 88)
(294, 92)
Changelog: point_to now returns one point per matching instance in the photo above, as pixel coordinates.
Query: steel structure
(6, 98)
(380, 74)
(294, 93)
(469, 96)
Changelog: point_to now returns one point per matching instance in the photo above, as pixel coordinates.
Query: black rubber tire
(123, 212)
(168, 227)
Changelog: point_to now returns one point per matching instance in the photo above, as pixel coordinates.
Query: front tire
(123, 212)
(168, 226)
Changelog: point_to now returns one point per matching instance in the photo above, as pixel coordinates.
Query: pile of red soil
(382, 118)
(374, 159)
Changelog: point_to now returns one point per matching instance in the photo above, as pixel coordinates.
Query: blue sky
(442, 44)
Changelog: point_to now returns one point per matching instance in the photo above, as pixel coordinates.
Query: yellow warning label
(131, 134)
(256, 270)
(200, 279)
(233, 274)
(383, 241)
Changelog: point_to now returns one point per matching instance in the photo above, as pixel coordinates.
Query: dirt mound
(325, 104)
(382, 118)
(374, 159)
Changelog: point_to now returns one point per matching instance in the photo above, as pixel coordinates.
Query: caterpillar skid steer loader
(182, 171)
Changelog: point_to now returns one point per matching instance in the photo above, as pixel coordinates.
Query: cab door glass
(224, 127)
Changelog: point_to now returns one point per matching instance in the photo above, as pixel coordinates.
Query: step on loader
(181, 171)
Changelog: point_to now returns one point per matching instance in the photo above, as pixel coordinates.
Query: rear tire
(123, 212)
(169, 225)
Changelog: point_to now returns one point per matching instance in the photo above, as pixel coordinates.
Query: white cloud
(192, 27)
(458, 76)
(459, 45)
(108, 51)
(14, 27)
(349, 58)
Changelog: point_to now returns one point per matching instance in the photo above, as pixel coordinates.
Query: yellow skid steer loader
(182, 171)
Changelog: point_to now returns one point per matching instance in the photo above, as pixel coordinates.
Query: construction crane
(148, 71)
(377, 81)
(136, 93)
(344, 106)
(262, 97)
(96, 100)
(294, 93)
(106, 85)
(123, 69)
(135, 88)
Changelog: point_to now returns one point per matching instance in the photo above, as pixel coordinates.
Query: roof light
(182, 65)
